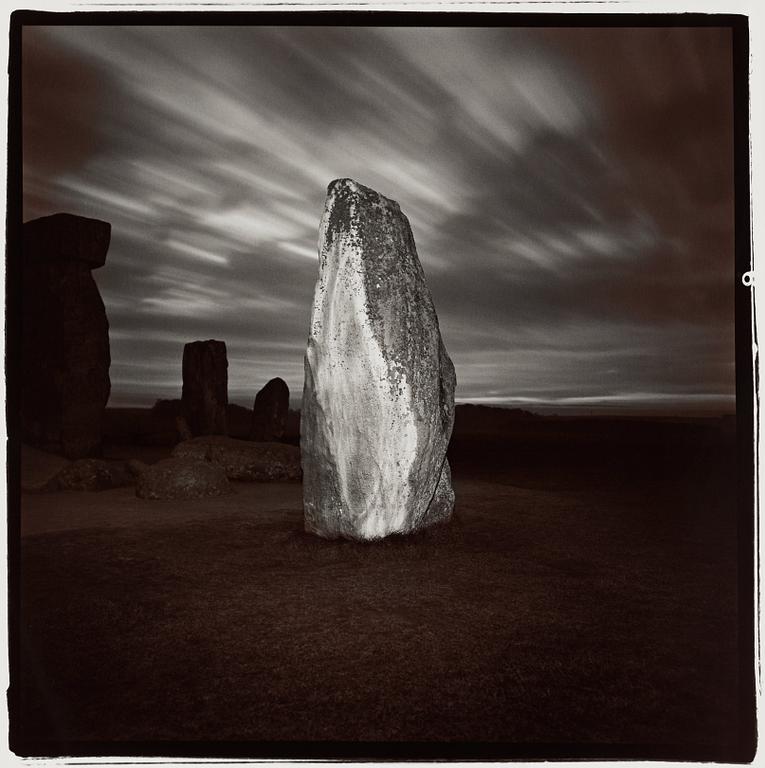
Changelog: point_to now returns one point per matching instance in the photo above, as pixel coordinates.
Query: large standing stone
(205, 387)
(65, 334)
(378, 398)
(269, 413)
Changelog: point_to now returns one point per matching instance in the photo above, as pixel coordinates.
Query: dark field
(582, 601)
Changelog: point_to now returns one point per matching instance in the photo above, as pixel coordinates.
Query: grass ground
(581, 596)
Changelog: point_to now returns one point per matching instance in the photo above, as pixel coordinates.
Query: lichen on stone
(378, 396)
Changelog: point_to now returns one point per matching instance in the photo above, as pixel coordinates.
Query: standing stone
(378, 397)
(205, 387)
(65, 334)
(269, 413)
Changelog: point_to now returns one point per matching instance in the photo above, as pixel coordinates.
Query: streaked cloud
(570, 193)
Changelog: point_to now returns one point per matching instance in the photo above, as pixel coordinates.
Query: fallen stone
(65, 334)
(244, 460)
(182, 478)
(205, 387)
(378, 396)
(92, 475)
(269, 412)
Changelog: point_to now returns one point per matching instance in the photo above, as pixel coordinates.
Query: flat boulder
(244, 460)
(378, 394)
(181, 478)
(91, 475)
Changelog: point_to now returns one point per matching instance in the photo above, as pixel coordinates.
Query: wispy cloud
(570, 193)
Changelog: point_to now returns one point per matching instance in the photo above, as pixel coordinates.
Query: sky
(570, 192)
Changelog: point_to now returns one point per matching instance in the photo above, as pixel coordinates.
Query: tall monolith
(269, 412)
(65, 334)
(205, 387)
(378, 396)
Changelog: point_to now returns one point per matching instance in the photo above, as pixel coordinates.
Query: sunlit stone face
(378, 397)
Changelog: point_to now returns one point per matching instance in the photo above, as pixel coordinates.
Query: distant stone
(205, 387)
(167, 410)
(269, 413)
(238, 421)
(92, 475)
(179, 478)
(378, 396)
(244, 460)
(65, 334)
(161, 423)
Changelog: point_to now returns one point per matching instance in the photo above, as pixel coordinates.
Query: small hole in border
(748, 279)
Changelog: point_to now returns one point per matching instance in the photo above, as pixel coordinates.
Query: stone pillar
(65, 334)
(378, 396)
(269, 412)
(205, 387)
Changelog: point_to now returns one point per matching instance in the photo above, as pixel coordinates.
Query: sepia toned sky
(570, 192)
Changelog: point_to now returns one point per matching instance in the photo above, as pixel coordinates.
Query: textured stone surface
(181, 478)
(92, 475)
(205, 387)
(64, 238)
(269, 413)
(65, 334)
(378, 397)
(244, 460)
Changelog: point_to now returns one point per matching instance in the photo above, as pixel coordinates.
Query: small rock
(182, 478)
(244, 460)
